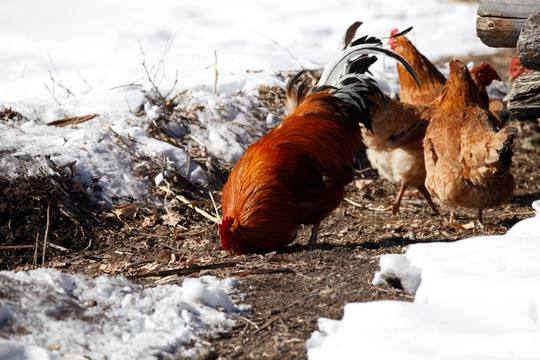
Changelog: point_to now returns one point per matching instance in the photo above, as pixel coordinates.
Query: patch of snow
(477, 298)
(109, 317)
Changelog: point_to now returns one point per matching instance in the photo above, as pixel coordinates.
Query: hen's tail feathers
(505, 152)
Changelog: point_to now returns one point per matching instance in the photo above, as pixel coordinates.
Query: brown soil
(288, 289)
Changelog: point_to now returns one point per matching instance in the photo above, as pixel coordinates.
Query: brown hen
(467, 156)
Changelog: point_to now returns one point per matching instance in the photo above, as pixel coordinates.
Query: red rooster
(296, 173)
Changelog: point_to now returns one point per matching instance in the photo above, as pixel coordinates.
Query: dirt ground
(288, 289)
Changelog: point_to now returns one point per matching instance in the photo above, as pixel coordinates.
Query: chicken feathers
(467, 156)
(431, 79)
(394, 147)
(296, 173)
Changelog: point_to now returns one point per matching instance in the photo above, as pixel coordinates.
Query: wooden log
(528, 45)
(499, 32)
(518, 9)
(524, 99)
(500, 21)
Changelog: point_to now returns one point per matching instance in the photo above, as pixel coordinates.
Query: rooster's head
(233, 239)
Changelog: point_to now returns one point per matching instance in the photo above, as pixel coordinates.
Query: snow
(477, 298)
(108, 317)
(74, 59)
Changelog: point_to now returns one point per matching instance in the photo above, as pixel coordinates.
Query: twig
(284, 308)
(54, 97)
(510, 214)
(268, 323)
(84, 80)
(196, 140)
(282, 47)
(357, 172)
(263, 272)
(46, 235)
(214, 90)
(249, 322)
(72, 120)
(214, 203)
(57, 247)
(190, 204)
(14, 247)
(200, 211)
(158, 93)
(36, 251)
(59, 83)
(133, 84)
(187, 271)
(353, 203)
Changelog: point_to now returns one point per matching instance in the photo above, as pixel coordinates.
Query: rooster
(296, 173)
(467, 156)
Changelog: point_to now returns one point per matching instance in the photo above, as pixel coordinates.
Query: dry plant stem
(46, 235)
(187, 271)
(73, 120)
(214, 90)
(15, 247)
(353, 202)
(36, 251)
(282, 47)
(54, 97)
(214, 203)
(190, 204)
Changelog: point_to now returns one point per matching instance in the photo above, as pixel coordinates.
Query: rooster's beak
(230, 252)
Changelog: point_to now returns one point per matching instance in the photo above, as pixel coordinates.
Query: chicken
(483, 75)
(516, 68)
(296, 173)
(467, 156)
(394, 146)
(431, 79)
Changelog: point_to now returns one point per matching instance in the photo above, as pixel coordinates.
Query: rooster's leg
(426, 194)
(313, 237)
(479, 219)
(395, 206)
